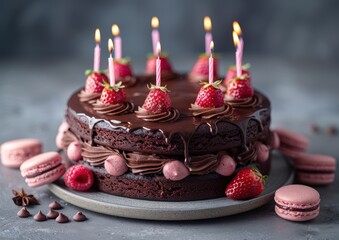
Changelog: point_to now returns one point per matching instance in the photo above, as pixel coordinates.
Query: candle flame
(207, 23)
(236, 28)
(115, 30)
(235, 38)
(155, 22)
(110, 45)
(97, 36)
(212, 46)
(158, 48)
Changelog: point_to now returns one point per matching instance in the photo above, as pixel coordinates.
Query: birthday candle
(97, 50)
(158, 66)
(111, 63)
(117, 42)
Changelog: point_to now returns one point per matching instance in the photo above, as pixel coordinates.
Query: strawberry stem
(90, 71)
(162, 88)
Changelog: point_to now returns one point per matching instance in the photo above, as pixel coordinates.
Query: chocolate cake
(194, 141)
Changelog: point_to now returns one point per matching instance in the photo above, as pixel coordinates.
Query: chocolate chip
(62, 218)
(79, 217)
(55, 205)
(331, 130)
(314, 128)
(23, 213)
(40, 217)
(52, 214)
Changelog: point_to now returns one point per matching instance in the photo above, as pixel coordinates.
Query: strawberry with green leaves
(210, 95)
(239, 88)
(122, 68)
(94, 82)
(232, 73)
(151, 64)
(201, 67)
(113, 94)
(248, 183)
(158, 100)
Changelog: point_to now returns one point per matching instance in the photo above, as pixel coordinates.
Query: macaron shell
(292, 139)
(297, 216)
(40, 164)
(15, 152)
(299, 197)
(314, 178)
(315, 162)
(47, 177)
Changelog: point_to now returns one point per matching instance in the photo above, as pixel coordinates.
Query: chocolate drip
(249, 156)
(96, 156)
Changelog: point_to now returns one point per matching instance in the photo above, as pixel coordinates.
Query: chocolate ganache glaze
(187, 136)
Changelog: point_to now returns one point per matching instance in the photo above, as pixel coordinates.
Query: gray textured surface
(32, 102)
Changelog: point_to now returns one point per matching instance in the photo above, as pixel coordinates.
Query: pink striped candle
(97, 50)
(211, 64)
(111, 63)
(239, 43)
(117, 42)
(155, 34)
(158, 66)
(208, 34)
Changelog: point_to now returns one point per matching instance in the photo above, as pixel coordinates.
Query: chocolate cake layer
(157, 187)
(187, 136)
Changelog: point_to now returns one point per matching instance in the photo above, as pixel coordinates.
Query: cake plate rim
(282, 173)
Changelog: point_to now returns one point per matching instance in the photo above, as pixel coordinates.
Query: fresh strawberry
(240, 88)
(232, 73)
(210, 96)
(201, 67)
(79, 177)
(248, 183)
(122, 69)
(94, 81)
(151, 64)
(158, 100)
(113, 95)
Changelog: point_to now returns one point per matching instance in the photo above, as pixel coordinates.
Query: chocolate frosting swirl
(250, 102)
(67, 139)
(88, 97)
(113, 109)
(248, 156)
(207, 113)
(169, 116)
(144, 164)
(96, 156)
(202, 165)
(127, 81)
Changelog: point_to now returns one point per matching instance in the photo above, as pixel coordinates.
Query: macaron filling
(293, 209)
(41, 168)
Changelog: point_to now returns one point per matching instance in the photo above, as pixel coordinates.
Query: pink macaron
(297, 202)
(42, 169)
(291, 143)
(15, 152)
(315, 169)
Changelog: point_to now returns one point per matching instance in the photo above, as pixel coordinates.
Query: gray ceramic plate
(281, 174)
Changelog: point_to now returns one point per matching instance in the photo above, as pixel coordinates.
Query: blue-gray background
(304, 29)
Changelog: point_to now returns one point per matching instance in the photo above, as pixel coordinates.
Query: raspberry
(79, 177)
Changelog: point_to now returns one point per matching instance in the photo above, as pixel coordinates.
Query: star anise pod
(22, 199)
